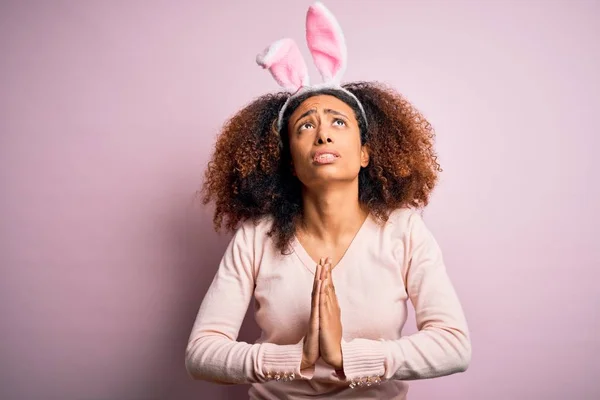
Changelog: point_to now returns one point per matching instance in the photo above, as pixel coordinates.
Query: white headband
(328, 48)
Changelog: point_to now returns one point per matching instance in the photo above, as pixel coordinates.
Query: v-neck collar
(311, 264)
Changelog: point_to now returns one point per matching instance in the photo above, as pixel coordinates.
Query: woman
(321, 188)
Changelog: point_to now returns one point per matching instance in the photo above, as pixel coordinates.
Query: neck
(329, 214)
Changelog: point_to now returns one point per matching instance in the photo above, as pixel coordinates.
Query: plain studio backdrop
(108, 114)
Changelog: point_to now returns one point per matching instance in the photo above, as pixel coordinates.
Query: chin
(328, 177)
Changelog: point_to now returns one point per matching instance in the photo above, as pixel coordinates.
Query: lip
(319, 153)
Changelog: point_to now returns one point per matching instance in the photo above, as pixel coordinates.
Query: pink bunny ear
(286, 64)
(326, 42)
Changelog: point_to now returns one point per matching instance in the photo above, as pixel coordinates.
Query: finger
(316, 280)
(320, 264)
(330, 296)
(323, 291)
(323, 310)
(323, 271)
(331, 279)
(325, 285)
(316, 300)
(335, 299)
(316, 287)
(322, 313)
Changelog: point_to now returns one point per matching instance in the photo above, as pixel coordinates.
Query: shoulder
(248, 242)
(417, 238)
(405, 221)
(406, 227)
(252, 230)
(412, 240)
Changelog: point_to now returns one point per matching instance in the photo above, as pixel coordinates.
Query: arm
(212, 353)
(442, 345)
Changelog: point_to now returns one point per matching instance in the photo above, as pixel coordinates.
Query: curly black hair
(249, 175)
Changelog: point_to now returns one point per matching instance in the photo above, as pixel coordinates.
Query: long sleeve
(442, 344)
(212, 353)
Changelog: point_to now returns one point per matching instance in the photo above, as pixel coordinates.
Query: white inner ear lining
(314, 89)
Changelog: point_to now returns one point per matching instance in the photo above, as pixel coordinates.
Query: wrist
(336, 361)
(305, 364)
(338, 364)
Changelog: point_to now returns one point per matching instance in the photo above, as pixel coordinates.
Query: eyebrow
(326, 111)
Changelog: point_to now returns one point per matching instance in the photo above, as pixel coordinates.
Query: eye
(306, 125)
(337, 120)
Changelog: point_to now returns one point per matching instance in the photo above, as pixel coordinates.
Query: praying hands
(324, 337)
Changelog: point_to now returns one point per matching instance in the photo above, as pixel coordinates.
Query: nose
(323, 136)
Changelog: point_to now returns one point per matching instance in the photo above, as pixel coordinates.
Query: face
(325, 142)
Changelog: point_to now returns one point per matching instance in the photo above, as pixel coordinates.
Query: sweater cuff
(281, 361)
(363, 358)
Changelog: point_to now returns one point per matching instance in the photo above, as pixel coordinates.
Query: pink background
(108, 111)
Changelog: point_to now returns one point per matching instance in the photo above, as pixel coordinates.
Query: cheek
(297, 153)
(352, 148)
(300, 145)
(295, 150)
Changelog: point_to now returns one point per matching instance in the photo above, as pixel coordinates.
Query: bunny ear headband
(328, 48)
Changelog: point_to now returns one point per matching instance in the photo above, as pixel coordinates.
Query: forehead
(320, 102)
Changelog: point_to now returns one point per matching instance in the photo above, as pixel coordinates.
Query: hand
(330, 323)
(310, 351)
